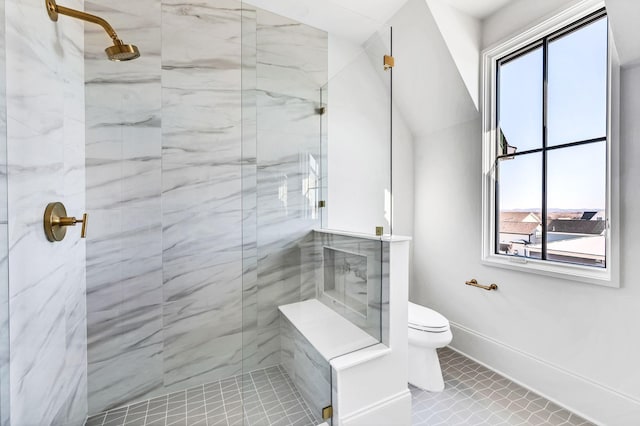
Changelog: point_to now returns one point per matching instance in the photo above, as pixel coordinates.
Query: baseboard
(594, 401)
(395, 410)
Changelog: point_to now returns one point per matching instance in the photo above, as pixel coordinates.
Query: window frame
(560, 24)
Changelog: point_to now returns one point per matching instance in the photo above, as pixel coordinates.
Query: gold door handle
(474, 283)
(56, 222)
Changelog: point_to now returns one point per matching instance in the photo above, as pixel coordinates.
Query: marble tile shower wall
(124, 244)
(169, 154)
(4, 237)
(45, 157)
(201, 194)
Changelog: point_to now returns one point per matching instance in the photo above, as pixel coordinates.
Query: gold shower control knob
(56, 222)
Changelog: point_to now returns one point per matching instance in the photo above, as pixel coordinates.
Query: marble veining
(365, 304)
(199, 158)
(4, 236)
(124, 248)
(306, 367)
(201, 192)
(291, 66)
(45, 162)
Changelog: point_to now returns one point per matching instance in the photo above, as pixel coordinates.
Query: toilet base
(424, 369)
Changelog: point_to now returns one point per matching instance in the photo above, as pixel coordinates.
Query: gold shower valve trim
(56, 222)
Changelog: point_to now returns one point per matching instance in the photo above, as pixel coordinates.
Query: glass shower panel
(284, 64)
(316, 120)
(356, 135)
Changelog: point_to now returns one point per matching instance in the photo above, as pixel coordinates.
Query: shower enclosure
(233, 176)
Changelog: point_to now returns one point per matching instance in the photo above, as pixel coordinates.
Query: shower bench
(335, 363)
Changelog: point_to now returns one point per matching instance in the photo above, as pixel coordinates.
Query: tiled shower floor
(270, 398)
(473, 395)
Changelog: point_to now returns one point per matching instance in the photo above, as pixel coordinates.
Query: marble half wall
(310, 372)
(199, 163)
(45, 157)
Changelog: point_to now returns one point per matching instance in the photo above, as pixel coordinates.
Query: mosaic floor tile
(270, 398)
(475, 395)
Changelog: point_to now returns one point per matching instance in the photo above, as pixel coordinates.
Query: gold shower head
(118, 52)
(122, 52)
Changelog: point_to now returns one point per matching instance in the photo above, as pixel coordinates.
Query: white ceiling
(354, 20)
(478, 9)
(358, 19)
(623, 18)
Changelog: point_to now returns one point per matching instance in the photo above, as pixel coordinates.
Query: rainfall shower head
(118, 52)
(122, 52)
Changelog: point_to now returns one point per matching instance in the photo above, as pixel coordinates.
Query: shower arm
(53, 9)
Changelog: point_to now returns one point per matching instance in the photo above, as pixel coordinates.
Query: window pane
(520, 101)
(520, 204)
(576, 199)
(577, 85)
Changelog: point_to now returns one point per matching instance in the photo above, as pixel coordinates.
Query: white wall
(573, 342)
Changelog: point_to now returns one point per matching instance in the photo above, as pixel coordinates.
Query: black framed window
(551, 163)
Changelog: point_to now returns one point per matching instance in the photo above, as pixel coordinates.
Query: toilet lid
(423, 318)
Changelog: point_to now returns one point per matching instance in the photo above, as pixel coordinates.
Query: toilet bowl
(428, 330)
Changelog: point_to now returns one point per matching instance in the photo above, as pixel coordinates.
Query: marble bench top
(328, 332)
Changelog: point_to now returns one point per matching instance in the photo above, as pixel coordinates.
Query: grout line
(124, 419)
(226, 417)
(258, 395)
(204, 401)
(186, 410)
(166, 412)
(276, 394)
(285, 377)
(146, 413)
(239, 384)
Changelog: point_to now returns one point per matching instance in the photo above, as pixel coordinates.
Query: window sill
(584, 274)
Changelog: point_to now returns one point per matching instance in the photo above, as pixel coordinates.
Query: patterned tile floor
(270, 399)
(475, 395)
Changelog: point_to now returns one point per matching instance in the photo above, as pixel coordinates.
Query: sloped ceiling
(462, 33)
(624, 17)
(358, 19)
(427, 86)
(478, 9)
(437, 44)
(353, 20)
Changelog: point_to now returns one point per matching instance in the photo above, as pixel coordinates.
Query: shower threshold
(264, 397)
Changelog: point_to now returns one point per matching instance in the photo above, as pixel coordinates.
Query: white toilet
(428, 330)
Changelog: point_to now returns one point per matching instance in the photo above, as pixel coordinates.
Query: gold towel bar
(473, 282)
